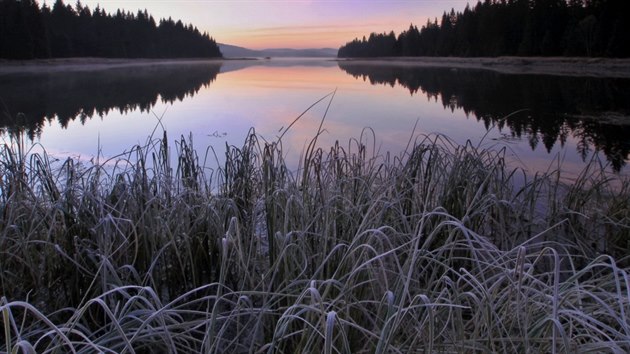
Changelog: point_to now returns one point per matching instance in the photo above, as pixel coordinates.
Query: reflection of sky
(269, 98)
(289, 23)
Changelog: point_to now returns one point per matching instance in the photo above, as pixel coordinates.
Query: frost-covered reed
(432, 250)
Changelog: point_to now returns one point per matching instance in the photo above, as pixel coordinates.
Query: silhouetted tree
(29, 31)
(22, 34)
(513, 27)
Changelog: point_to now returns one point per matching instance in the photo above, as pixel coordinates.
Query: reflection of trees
(548, 109)
(29, 100)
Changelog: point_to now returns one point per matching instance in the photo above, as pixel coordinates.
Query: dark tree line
(593, 28)
(29, 31)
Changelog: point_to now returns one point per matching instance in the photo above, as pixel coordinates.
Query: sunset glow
(289, 24)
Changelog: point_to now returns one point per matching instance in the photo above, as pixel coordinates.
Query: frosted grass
(432, 250)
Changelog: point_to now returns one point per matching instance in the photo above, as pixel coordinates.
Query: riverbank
(562, 66)
(89, 64)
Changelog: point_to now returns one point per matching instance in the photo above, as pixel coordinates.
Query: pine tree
(28, 31)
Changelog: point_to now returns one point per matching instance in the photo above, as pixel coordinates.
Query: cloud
(305, 36)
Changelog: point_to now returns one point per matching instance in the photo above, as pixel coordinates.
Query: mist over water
(540, 119)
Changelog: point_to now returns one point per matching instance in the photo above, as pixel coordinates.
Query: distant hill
(232, 51)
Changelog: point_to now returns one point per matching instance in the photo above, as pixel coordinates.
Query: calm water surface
(541, 119)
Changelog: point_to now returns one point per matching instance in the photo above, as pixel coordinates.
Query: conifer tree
(29, 31)
(513, 27)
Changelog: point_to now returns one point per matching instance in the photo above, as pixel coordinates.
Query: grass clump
(433, 250)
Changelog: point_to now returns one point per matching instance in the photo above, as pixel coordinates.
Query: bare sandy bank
(88, 64)
(564, 66)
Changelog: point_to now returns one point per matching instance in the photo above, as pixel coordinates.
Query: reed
(432, 250)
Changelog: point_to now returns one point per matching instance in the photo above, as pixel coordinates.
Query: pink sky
(261, 24)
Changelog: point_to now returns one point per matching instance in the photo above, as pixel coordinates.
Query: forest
(584, 28)
(31, 31)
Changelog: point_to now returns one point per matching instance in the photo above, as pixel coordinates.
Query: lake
(539, 119)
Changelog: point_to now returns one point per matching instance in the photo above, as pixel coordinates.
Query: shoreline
(88, 64)
(558, 66)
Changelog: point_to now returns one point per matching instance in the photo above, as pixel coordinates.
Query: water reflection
(549, 109)
(565, 117)
(27, 101)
